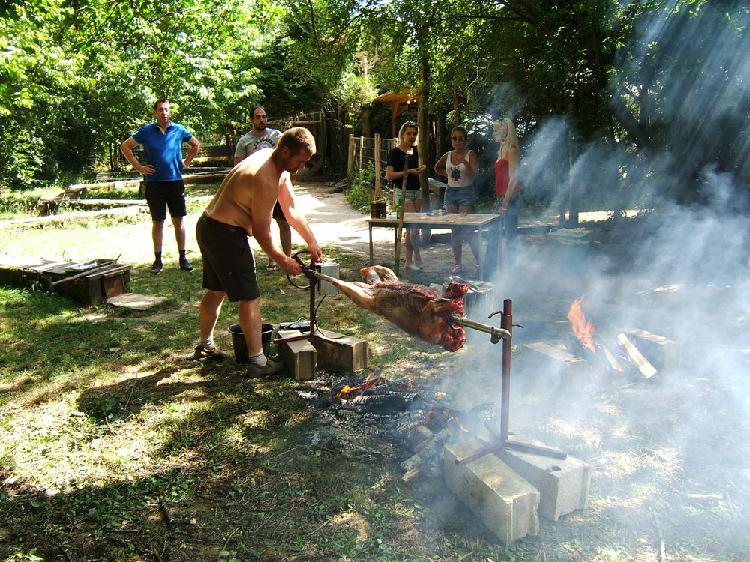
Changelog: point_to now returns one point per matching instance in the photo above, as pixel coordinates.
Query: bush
(359, 193)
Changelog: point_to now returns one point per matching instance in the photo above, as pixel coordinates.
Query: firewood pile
(632, 351)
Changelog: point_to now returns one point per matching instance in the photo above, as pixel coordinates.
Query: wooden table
(418, 220)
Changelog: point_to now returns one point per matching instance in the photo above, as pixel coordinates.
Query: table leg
(372, 251)
(397, 264)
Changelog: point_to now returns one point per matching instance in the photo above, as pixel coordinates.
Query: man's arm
(296, 218)
(240, 151)
(262, 233)
(195, 146)
(127, 151)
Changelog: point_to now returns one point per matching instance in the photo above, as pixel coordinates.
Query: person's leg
(411, 233)
(285, 235)
(208, 314)
(456, 238)
(250, 322)
(179, 233)
(157, 234)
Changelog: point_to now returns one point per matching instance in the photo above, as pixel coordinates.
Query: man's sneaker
(270, 368)
(202, 351)
(156, 267)
(185, 265)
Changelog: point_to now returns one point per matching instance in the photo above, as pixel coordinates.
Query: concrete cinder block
(562, 483)
(505, 502)
(299, 356)
(338, 352)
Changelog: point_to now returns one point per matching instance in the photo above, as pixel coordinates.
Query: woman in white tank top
(459, 166)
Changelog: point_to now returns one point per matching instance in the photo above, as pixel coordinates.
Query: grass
(114, 446)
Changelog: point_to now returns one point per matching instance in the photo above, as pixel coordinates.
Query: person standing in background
(162, 145)
(260, 137)
(459, 166)
(403, 162)
(506, 192)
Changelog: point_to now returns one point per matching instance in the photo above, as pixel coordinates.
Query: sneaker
(156, 267)
(457, 270)
(202, 351)
(413, 267)
(270, 368)
(185, 265)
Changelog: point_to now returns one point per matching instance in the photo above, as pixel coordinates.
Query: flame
(582, 328)
(373, 379)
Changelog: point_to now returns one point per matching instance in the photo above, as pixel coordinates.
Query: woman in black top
(405, 156)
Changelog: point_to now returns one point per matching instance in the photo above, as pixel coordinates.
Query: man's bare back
(247, 195)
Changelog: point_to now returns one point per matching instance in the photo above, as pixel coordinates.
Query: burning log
(643, 364)
(416, 309)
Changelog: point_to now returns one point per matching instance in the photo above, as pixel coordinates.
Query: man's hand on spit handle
(316, 254)
(290, 266)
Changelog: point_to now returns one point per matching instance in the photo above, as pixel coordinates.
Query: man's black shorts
(228, 263)
(163, 194)
(278, 213)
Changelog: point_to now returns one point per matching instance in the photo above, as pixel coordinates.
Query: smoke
(678, 270)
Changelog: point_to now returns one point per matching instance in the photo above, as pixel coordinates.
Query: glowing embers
(582, 328)
(373, 379)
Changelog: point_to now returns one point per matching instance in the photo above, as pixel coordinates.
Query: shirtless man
(241, 208)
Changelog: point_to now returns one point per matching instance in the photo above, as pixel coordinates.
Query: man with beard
(162, 145)
(260, 137)
(243, 207)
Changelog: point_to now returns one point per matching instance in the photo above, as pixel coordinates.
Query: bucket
(240, 345)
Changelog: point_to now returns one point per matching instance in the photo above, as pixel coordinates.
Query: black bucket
(240, 346)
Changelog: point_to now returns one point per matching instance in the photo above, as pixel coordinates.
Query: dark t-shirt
(396, 160)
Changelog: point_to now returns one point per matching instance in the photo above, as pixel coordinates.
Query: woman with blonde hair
(403, 162)
(506, 188)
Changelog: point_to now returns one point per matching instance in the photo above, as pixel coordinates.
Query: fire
(373, 379)
(582, 328)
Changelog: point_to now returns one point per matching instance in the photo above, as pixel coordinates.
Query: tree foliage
(77, 76)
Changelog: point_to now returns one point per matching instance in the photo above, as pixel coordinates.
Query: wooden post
(361, 152)
(376, 148)
(350, 157)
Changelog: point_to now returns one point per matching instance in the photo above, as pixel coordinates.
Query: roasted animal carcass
(416, 309)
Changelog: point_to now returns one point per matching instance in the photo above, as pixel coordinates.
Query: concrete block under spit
(562, 483)
(299, 356)
(338, 352)
(505, 502)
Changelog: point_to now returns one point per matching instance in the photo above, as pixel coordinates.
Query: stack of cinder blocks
(324, 349)
(508, 490)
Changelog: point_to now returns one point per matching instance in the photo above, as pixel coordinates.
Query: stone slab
(505, 502)
(300, 357)
(562, 483)
(134, 301)
(338, 352)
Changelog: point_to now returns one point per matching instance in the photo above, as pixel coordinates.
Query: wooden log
(555, 351)
(637, 358)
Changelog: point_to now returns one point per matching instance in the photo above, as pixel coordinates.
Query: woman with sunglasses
(459, 166)
(403, 162)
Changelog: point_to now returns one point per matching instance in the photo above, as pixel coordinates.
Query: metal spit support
(504, 441)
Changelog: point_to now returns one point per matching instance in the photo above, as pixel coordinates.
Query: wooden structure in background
(399, 102)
